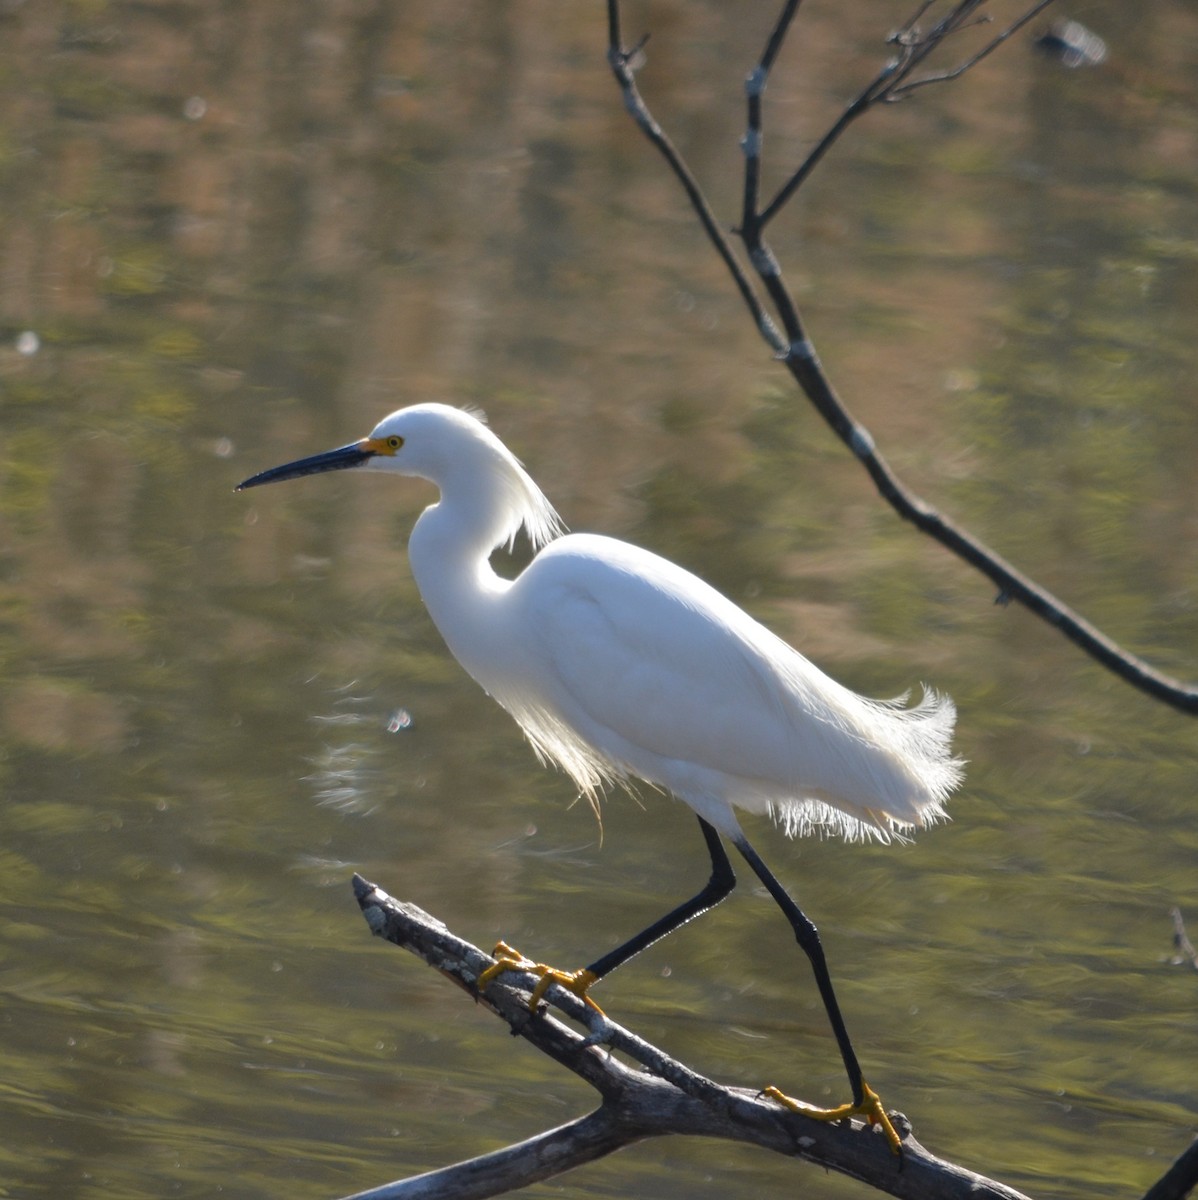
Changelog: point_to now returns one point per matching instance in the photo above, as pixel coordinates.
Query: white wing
(669, 680)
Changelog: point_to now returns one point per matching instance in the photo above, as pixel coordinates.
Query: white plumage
(617, 663)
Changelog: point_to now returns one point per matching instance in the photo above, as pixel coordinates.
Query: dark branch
(913, 47)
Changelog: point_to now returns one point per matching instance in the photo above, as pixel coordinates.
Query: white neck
(449, 554)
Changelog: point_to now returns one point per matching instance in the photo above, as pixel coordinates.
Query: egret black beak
(353, 455)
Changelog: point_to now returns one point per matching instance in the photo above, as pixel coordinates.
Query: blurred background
(231, 235)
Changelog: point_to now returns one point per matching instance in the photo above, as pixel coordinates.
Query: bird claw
(506, 959)
(870, 1108)
(575, 982)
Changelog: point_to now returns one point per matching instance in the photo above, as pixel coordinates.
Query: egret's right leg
(722, 881)
(865, 1100)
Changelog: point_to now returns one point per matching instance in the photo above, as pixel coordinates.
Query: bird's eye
(394, 442)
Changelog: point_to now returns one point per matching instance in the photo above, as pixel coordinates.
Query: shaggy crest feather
(520, 504)
(528, 508)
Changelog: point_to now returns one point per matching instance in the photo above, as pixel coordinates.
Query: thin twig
(754, 93)
(864, 101)
(893, 81)
(622, 65)
(956, 72)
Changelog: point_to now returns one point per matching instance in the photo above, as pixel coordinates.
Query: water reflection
(236, 235)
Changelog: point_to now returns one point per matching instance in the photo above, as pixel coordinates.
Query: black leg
(722, 881)
(808, 939)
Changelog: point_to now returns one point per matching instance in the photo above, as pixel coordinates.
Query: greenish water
(234, 235)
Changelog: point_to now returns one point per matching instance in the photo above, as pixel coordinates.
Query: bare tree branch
(657, 1096)
(791, 343)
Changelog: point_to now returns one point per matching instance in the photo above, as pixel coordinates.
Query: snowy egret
(618, 664)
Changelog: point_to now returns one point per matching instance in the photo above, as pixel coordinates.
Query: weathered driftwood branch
(777, 317)
(656, 1096)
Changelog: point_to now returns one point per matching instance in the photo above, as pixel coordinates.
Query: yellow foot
(507, 959)
(870, 1108)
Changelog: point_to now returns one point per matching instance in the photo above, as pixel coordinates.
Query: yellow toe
(573, 981)
(508, 959)
(870, 1108)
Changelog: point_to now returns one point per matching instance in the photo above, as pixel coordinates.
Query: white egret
(617, 664)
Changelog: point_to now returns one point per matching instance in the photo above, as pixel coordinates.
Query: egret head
(451, 447)
(425, 440)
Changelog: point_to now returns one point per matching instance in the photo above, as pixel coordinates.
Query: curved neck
(449, 554)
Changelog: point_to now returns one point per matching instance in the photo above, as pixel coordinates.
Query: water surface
(233, 235)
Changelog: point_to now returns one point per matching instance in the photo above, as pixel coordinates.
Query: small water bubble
(399, 720)
(961, 379)
(224, 448)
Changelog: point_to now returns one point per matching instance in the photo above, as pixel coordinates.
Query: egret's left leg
(865, 1100)
(722, 881)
